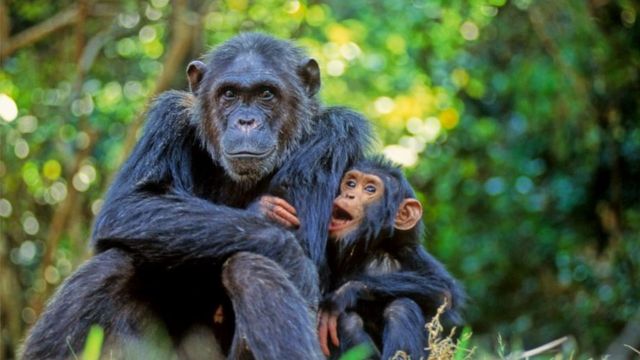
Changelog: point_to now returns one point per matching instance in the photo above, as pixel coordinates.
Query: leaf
(93, 346)
(461, 348)
(358, 352)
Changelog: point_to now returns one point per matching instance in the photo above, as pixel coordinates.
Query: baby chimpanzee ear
(409, 213)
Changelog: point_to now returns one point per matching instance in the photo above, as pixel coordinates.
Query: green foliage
(358, 352)
(463, 349)
(518, 123)
(93, 345)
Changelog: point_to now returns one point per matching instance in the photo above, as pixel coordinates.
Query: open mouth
(340, 218)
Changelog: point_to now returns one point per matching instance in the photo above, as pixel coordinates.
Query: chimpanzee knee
(272, 317)
(350, 324)
(404, 329)
(285, 249)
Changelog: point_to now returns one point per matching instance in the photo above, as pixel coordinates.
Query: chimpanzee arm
(341, 137)
(151, 211)
(421, 278)
(174, 228)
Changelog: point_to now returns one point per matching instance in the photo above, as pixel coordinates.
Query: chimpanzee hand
(327, 327)
(332, 306)
(277, 209)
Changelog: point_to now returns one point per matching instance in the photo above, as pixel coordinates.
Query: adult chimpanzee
(176, 238)
(383, 280)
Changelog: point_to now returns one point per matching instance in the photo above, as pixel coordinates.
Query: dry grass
(445, 348)
(442, 347)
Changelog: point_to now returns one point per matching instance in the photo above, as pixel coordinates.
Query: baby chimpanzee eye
(351, 183)
(370, 189)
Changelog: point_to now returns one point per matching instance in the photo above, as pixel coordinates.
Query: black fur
(175, 238)
(383, 280)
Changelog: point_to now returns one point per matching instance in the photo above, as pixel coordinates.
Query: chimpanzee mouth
(340, 214)
(340, 218)
(250, 154)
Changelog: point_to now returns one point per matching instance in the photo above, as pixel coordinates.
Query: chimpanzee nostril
(246, 122)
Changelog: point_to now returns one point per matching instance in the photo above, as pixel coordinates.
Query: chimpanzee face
(358, 191)
(255, 102)
(248, 116)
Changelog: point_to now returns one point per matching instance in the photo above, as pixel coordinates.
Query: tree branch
(5, 23)
(86, 53)
(37, 32)
(185, 25)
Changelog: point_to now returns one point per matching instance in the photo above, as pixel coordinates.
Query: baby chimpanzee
(382, 281)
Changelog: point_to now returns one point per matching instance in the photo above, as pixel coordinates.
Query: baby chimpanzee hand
(327, 328)
(336, 303)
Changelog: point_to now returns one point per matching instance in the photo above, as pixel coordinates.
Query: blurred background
(517, 121)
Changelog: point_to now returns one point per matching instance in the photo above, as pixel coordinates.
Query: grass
(443, 346)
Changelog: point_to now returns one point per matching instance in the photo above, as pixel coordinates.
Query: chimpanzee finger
(322, 334)
(282, 202)
(287, 216)
(333, 329)
(272, 215)
(281, 221)
(268, 202)
(282, 217)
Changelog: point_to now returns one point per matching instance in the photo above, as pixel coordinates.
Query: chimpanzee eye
(351, 183)
(266, 94)
(370, 189)
(229, 94)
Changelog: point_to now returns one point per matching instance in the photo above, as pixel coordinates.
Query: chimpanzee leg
(404, 329)
(98, 293)
(351, 333)
(300, 269)
(273, 319)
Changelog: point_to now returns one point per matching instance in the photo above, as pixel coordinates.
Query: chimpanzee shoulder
(346, 124)
(161, 158)
(339, 138)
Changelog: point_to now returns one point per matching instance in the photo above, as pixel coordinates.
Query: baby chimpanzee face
(358, 190)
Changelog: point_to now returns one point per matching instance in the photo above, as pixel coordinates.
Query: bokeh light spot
(335, 67)
(384, 105)
(238, 5)
(315, 15)
(21, 148)
(52, 275)
(30, 224)
(469, 31)
(401, 155)
(27, 124)
(5, 208)
(147, 34)
(449, 118)
(8, 108)
(52, 169)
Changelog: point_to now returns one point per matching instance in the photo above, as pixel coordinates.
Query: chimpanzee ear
(409, 213)
(310, 74)
(195, 73)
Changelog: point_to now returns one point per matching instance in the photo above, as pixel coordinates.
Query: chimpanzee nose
(350, 196)
(247, 123)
